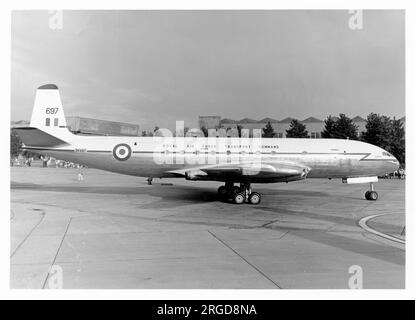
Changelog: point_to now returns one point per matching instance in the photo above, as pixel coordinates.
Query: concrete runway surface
(114, 231)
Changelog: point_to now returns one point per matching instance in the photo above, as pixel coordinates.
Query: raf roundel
(122, 152)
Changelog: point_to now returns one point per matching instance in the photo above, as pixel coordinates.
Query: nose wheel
(239, 195)
(371, 194)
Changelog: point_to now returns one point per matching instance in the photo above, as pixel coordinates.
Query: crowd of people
(21, 161)
(398, 174)
(48, 162)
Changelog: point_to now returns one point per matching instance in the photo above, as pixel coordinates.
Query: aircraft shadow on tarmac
(178, 195)
(165, 192)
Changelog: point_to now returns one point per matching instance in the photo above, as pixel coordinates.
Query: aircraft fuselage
(158, 157)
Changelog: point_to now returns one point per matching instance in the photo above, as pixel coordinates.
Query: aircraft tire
(255, 198)
(373, 195)
(222, 192)
(239, 198)
(367, 195)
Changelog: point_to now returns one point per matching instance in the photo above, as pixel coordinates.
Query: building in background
(209, 122)
(314, 125)
(274, 123)
(228, 124)
(80, 125)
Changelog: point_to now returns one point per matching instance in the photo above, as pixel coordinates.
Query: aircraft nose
(394, 164)
(397, 164)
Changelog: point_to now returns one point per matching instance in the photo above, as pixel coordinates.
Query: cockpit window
(386, 154)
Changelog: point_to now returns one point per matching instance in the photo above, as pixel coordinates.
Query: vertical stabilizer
(47, 114)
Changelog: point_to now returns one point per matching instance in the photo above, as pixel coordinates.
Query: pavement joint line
(285, 233)
(28, 235)
(363, 224)
(268, 223)
(239, 255)
(57, 252)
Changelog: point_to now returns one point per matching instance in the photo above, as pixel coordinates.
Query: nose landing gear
(371, 194)
(239, 195)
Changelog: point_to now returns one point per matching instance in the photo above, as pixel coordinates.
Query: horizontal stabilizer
(34, 137)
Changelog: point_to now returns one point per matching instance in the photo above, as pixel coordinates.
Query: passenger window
(47, 124)
(56, 122)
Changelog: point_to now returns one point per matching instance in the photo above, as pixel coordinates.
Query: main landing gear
(371, 194)
(239, 195)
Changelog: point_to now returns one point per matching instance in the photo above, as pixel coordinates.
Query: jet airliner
(236, 162)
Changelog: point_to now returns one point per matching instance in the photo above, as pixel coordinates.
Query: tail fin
(47, 114)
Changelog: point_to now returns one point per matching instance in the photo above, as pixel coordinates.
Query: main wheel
(222, 192)
(239, 198)
(373, 195)
(235, 190)
(254, 198)
(367, 195)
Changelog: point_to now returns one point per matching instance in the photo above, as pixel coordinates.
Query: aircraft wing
(253, 171)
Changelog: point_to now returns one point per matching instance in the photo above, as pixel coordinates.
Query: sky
(156, 67)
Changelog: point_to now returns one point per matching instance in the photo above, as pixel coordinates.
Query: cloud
(155, 67)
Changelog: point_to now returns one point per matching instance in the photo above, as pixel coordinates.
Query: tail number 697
(52, 110)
